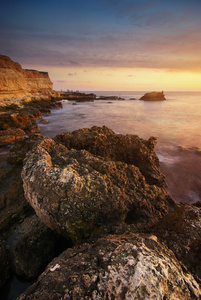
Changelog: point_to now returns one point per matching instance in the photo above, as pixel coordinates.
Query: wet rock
(180, 231)
(44, 106)
(130, 149)
(15, 124)
(110, 98)
(85, 196)
(115, 267)
(153, 96)
(19, 119)
(44, 121)
(81, 97)
(20, 148)
(9, 136)
(31, 246)
(4, 263)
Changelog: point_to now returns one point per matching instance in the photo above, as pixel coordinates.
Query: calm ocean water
(175, 122)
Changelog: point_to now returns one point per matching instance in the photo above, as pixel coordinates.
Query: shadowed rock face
(116, 267)
(31, 247)
(180, 231)
(129, 149)
(85, 196)
(5, 265)
(20, 148)
(153, 96)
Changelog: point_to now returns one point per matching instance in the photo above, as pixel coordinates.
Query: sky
(95, 45)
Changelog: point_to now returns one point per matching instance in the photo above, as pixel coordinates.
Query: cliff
(16, 81)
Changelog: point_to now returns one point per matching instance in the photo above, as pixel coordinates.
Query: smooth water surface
(175, 122)
(178, 119)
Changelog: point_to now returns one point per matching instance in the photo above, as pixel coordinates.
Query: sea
(175, 122)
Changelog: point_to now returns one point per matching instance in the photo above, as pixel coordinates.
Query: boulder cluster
(101, 198)
(93, 181)
(86, 215)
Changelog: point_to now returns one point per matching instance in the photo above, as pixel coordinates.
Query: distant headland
(18, 84)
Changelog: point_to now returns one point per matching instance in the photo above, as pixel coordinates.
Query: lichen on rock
(115, 267)
(130, 149)
(83, 196)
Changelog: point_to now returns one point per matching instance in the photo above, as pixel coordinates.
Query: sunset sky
(106, 44)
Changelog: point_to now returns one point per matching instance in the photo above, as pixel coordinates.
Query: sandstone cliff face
(36, 80)
(15, 80)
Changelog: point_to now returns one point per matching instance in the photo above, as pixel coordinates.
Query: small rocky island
(153, 96)
(86, 214)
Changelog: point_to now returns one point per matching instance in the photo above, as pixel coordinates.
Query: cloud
(74, 63)
(174, 51)
(143, 34)
(72, 74)
(154, 13)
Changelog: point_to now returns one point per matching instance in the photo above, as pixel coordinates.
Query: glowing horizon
(107, 44)
(120, 79)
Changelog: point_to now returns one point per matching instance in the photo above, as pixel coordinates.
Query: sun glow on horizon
(108, 78)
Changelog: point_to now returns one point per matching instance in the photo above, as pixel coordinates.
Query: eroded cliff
(16, 81)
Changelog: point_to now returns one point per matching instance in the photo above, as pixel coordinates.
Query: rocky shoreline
(86, 215)
(101, 198)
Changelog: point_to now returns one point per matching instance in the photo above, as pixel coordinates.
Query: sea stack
(153, 96)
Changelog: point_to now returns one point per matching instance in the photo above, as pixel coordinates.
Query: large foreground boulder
(115, 267)
(129, 149)
(85, 196)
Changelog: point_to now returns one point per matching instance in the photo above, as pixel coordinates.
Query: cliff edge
(18, 82)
